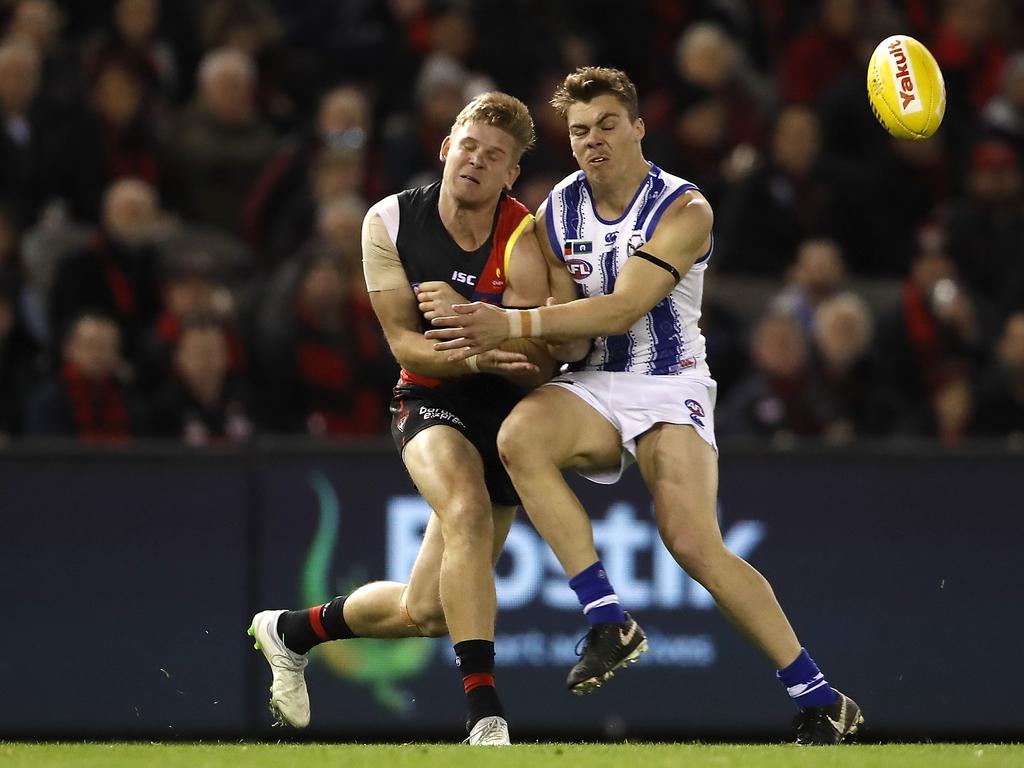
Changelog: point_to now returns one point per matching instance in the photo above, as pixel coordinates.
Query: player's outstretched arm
(683, 236)
(399, 317)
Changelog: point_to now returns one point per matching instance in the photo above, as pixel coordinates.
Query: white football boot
(489, 732)
(289, 701)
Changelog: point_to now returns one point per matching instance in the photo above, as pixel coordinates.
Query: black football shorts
(475, 406)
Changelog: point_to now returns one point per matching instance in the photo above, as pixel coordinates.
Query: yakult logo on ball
(903, 74)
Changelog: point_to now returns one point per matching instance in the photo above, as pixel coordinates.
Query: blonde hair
(502, 111)
(587, 83)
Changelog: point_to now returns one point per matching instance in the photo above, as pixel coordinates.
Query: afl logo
(579, 269)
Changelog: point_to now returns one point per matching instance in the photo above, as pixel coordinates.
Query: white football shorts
(635, 402)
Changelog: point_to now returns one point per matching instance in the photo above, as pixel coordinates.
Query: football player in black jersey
(423, 250)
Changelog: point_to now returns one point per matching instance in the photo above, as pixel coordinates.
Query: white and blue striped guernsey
(665, 341)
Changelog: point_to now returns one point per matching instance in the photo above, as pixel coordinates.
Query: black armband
(659, 263)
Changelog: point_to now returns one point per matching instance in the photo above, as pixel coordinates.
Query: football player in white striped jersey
(637, 241)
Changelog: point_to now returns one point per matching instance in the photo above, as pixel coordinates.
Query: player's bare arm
(397, 309)
(683, 235)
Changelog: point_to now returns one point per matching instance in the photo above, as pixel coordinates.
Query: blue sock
(595, 593)
(805, 683)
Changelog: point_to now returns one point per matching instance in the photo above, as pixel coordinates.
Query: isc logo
(462, 277)
(578, 268)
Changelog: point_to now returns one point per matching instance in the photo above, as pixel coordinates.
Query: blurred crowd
(182, 186)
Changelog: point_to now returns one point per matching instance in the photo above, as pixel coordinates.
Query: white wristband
(472, 364)
(534, 315)
(523, 323)
(515, 324)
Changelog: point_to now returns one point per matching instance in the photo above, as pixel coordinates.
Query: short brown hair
(502, 111)
(587, 83)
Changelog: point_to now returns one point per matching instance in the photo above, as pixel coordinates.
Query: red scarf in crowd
(98, 408)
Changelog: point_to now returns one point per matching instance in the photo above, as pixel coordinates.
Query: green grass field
(76, 755)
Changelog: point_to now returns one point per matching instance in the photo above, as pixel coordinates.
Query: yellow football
(905, 87)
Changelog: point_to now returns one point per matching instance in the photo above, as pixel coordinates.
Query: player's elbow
(404, 355)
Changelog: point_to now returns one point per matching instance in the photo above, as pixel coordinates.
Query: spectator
(724, 334)
(252, 28)
(132, 43)
(280, 212)
(849, 394)
(930, 341)
(817, 274)
(1000, 404)
(118, 271)
(37, 23)
(986, 230)
(708, 60)
(823, 54)
(773, 400)
(339, 228)
(113, 140)
(201, 403)
(18, 355)
(972, 58)
(549, 158)
(412, 139)
(24, 133)
(1004, 114)
(88, 398)
(326, 367)
(191, 288)
(788, 198)
(913, 178)
(219, 145)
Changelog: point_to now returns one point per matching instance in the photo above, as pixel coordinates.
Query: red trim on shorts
(316, 624)
(475, 680)
(408, 377)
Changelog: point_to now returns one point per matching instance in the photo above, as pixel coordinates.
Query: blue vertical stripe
(571, 213)
(653, 195)
(556, 246)
(667, 341)
(619, 348)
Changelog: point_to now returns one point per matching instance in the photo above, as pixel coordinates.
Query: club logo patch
(696, 412)
(636, 239)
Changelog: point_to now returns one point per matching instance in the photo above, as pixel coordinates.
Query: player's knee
(428, 616)
(700, 558)
(467, 522)
(516, 441)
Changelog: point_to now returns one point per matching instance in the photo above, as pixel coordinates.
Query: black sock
(305, 629)
(475, 659)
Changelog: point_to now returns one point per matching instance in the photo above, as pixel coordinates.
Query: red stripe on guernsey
(316, 624)
(475, 680)
(490, 283)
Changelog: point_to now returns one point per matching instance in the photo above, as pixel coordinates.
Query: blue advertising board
(129, 579)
